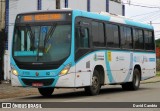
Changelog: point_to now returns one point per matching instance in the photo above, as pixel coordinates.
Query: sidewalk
(7, 91)
(151, 80)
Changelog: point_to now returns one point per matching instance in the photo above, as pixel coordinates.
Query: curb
(143, 82)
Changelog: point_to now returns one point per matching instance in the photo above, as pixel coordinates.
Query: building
(2, 14)
(2, 33)
(13, 7)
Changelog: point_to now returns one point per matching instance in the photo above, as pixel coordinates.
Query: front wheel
(95, 88)
(46, 91)
(134, 85)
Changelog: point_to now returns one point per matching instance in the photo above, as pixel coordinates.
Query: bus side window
(138, 39)
(112, 35)
(98, 34)
(148, 35)
(82, 38)
(126, 37)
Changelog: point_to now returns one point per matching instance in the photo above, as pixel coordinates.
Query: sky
(144, 11)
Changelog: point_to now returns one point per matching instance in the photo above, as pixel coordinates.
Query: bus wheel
(46, 91)
(95, 88)
(134, 85)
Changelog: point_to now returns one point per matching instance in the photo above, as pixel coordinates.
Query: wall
(15, 7)
(2, 14)
(48, 4)
(115, 8)
(98, 5)
(78, 4)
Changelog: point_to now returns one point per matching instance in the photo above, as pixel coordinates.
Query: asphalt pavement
(148, 92)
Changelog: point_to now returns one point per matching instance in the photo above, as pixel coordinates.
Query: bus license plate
(37, 84)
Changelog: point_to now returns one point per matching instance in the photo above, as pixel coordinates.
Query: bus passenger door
(82, 47)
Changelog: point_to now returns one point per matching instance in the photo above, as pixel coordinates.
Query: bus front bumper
(57, 81)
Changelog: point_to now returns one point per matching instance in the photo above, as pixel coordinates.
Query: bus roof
(112, 18)
(100, 16)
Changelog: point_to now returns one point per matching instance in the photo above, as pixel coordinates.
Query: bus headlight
(65, 70)
(14, 71)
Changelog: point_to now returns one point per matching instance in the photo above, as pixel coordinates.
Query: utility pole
(150, 22)
(129, 2)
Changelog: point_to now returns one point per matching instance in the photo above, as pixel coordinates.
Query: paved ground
(148, 92)
(7, 91)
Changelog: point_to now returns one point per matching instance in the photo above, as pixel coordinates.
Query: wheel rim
(95, 82)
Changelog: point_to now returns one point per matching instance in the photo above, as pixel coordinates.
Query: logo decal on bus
(37, 74)
(109, 54)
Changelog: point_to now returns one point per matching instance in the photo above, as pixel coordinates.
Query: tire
(134, 85)
(46, 92)
(95, 87)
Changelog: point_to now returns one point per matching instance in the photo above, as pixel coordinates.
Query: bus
(79, 49)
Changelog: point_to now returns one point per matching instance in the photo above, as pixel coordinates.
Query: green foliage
(158, 66)
(158, 43)
(158, 73)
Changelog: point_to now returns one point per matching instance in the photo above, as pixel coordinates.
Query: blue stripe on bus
(108, 68)
(152, 59)
(130, 67)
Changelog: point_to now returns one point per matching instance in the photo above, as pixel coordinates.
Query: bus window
(126, 38)
(82, 38)
(138, 39)
(112, 36)
(98, 34)
(148, 40)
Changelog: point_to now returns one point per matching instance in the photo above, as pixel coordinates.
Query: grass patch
(158, 73)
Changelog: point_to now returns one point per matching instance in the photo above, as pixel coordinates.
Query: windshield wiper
(49, 34)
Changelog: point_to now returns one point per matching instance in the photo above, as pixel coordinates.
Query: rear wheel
(95, 88)
(46, 91)
(134, 85)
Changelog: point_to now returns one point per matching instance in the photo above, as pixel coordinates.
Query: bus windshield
(42, 43)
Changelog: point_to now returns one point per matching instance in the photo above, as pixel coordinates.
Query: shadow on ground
(80, 94)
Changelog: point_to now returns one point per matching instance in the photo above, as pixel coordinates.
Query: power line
(150, 17)
(145, 6)
(144, 14)
(156, 23)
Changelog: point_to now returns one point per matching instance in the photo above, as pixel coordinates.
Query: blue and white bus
(78, 49)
